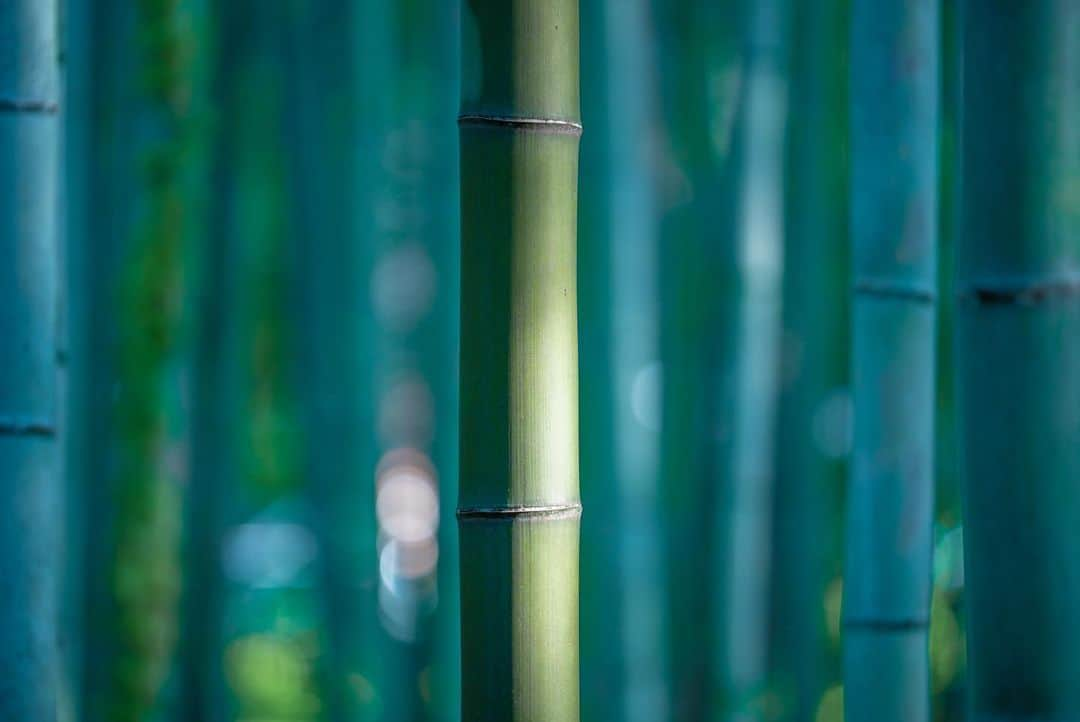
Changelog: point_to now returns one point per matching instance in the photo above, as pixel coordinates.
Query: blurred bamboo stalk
(623, 647)
(894, 127)
(752, 328)
(30, 408)
(1018, 355)
(519, 509)
(813, 362)
(137, 160)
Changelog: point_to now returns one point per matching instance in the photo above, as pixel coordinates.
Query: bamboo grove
(539, 360)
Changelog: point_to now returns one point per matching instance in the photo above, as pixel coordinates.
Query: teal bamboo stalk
(813, 361)
(751, 328)
(149, 216)
(519, 509)
(442, 74)
(31, 564)
(894, 126)
(699, 75)
(1017, 351)
(622, 586)
(329, 242)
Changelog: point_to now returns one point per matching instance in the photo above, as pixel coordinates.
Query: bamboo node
(19, 105)
(548, 511)
(896, 291)
(538, 125)
(24, 426)
(1020, 294)
(888, 625)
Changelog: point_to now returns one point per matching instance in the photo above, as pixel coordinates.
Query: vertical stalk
(333, 349)
(1018, 351)
(752, 328)
(700, 74)
(622, 583)
(519, 509)
(30, 530)
(894, 125)
(813, 359)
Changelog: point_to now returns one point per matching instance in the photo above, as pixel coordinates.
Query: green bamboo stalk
(329, 248)
(519, 509)
(752, 327)
(150, 350)
(894, 124)
(814, 361)
(1018, 347)
(623, 655)
(698, 45)
(31, 564)
(441, 57)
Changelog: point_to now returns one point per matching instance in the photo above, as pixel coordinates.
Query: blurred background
(262, 312)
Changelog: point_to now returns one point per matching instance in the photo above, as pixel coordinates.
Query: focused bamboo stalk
(519, 510)
(894, 124)
(1018, 355)
(31, 498)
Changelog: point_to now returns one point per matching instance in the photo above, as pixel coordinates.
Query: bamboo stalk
(752, 327)
(30, 530)
(894, 123)
(814, 360)
(623, 654)
(1018, 350)
(519, 510)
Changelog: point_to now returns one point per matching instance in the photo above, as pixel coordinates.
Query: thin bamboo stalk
(894, 124)
(519, 509)
(1018, 350)
(813, 360)
(752, 328)
(623, 654)
(699, 75)
(30, 531)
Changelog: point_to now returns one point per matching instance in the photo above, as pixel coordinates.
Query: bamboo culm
(753, 324)
(623, 658)
(1018, 355)
(519, 508)
(894, 124)
(30, 529)
(805, 500)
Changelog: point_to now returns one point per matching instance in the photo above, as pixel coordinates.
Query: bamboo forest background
(258, 355)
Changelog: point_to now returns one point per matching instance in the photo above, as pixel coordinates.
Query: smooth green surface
(1017, 353)
(521, 634)
(31, 489)
(887, 585)
(521, 59)
(519, 435)
(518, 378)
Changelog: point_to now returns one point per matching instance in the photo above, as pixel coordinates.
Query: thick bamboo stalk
(623, 655)
(30, 530)
(894, 123)
(519, 509)
(814, 360)
(1018, 354)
